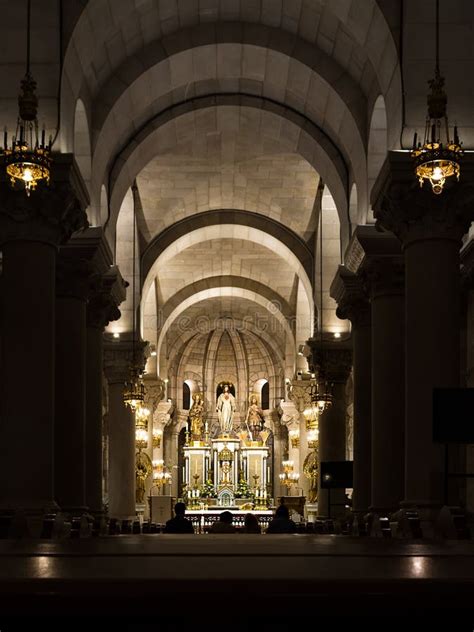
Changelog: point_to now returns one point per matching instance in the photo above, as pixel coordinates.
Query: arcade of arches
(233, 203)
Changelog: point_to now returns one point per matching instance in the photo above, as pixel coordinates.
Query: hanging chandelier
(27, 159)
(321, 400)
(321, 397)
(438, 158)
(134, 393)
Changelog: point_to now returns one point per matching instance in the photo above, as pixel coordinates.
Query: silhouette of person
(224, 524)
(281, 523)
(179, 524)
(251, 524)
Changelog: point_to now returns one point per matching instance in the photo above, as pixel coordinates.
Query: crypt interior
(236, 272)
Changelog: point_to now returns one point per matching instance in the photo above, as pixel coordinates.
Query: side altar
(232, 469)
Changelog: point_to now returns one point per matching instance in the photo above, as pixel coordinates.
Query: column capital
(119, 355)
(385, 276)
(162, 414)
(335, 360)
(50, 214)
(105, 295)
(300, 395)
(155, 391)
(377, 259)
(349, 292)
(416, 214)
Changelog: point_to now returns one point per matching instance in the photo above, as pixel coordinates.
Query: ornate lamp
(289, 477)
(437, 159)
(134, 393)
(157, 434)
(28, 159)
(141, 439)
(294, 438)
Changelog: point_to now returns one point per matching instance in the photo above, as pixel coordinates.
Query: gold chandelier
(437, 159)
(28, 159)
(289, 478)
(134, 393)
(321, 400)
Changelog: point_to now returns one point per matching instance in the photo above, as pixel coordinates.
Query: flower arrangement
(243, 489)
(207, 489)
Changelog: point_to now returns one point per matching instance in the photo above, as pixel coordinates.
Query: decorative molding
(51, 214)
(413, 213)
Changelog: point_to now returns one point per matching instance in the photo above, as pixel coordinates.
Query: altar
(228, 465)
(226, 468)
(204, 519)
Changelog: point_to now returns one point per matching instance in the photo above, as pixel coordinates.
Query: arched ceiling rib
(228, 231)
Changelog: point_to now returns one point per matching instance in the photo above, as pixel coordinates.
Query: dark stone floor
(237, 578)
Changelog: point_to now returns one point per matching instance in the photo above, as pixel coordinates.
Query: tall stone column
(72, 278)
(102, 308)
(348, 291)
(336, 362)
(430, 228)
(388, 383)
(118, 356)
(31, 228)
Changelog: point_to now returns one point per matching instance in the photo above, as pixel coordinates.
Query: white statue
(225, 410)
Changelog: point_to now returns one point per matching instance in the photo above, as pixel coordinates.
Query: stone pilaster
(73, 277)
(430, 228)
(335, 361)
(31, 229)
(118, 357)
(350, 294)
(106, 294)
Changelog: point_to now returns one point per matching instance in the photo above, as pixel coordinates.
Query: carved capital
(104, 298)
(290, 411)
(334, 362)
(349, 291)
(119, 356)
(413, 213)
(51, 214)
(163, 414)
(155, 390)
(385, 276)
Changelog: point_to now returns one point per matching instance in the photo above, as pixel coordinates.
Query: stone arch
(289, 240)
(294, 132)
(229, 231)
(378, 146)
(82, 148)
(217, 292)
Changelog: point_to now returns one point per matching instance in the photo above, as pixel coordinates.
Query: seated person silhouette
(281, 523)
(224, 524)
(179, 524)
(251, 524)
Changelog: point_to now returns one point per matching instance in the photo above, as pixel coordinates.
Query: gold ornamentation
(143, 469)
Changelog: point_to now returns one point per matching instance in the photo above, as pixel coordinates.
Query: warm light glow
(153, 354)
(313, 436)
(337, 334)
(294, 438)
(157, 434)
(116, 334)
(141, 438)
